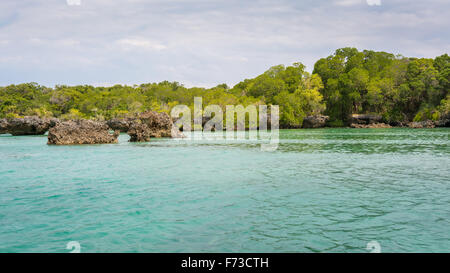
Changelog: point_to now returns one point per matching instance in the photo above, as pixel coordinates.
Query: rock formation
(372, 125)
(152, 124)
(444, 121)
(398, 123)
(3, 126)
(422, 124)
(139, 132)
(123, 125)
(159, 124)
(27, 125)
(317, 121)
(365, 119)
(81, 132)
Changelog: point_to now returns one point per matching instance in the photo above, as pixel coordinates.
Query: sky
(202, 42)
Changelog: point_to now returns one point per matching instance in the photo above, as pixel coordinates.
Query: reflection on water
(322, 190)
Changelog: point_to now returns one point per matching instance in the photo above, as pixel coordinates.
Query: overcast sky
(202, 42)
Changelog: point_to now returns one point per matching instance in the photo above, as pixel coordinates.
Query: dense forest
(348, 82)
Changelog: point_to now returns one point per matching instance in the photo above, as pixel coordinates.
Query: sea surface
(323, 190)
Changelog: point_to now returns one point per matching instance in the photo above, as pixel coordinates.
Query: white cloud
(346, 3)
(141, 43)
(73, 2)
(374, 2)
(203, 42)
(56, 42)
(68, 42)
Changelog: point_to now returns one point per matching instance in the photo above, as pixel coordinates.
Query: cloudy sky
(202, 42)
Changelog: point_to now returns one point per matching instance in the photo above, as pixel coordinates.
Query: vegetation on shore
(348, 82)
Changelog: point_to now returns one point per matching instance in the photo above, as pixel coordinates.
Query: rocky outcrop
(152, 124)
(365, 119)
(372, 125)
(32, 125)
(442, 123)
(317, 121)
(139, 132)
(398, 123)
(81, 132)
(3, 126)
(123, 125)
(159, 124)
(422, 124)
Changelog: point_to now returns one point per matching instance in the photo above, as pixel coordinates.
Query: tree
(291, 110)
(309, 94)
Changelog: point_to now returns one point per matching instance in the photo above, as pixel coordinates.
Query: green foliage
(443, 109)
(422, 115)
(294, 90)
(73, 114)
(378, 82)
(336, 123)
(308, 94)
(291, 111)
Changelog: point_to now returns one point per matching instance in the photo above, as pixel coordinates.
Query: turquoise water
(327, 190)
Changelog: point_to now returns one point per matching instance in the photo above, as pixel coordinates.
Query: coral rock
(27, 125)
(365, 119)
(317, 121)
(81, 132)
(152, 124)
(372, 125)
(422, 124)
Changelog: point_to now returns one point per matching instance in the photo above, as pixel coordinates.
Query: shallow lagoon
(324, 190)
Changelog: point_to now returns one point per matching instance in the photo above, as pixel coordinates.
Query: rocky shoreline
(145, 126)
(361, 121)
(152, 124)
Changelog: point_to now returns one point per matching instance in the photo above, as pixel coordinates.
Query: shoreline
(152, 124)
(290, 129)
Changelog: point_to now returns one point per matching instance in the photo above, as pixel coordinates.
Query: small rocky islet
(72, 132)
(151, 124)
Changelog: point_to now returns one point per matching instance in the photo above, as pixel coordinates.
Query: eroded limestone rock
(32, 125)
(152, 124)
(81, 132)
(317, 121)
